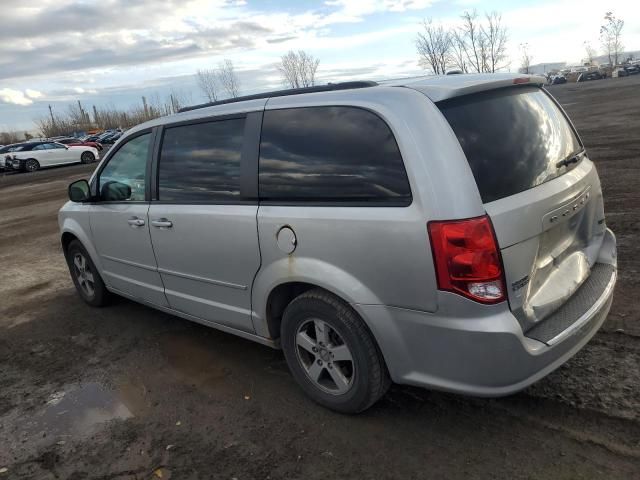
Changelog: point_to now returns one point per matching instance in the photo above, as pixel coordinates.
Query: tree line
(297, 69)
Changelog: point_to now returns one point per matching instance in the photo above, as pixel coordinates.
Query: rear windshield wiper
(569, 160)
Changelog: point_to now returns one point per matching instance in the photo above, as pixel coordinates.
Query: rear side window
(335, 154)
(201, 162)
(512, 138)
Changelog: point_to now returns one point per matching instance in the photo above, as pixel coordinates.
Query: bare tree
(228, 79)
(458, 55)
(434, 47)
(472, 42)
(7, 138)
(611, 37)
(208, 84)
(525, 58)
(298, 69)
(483, 45)
(590, 51)
(77, 118)
(495, 34)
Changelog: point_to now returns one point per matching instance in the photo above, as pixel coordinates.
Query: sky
(111, 52)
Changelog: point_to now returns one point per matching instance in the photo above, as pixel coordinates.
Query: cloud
(145, 32)
(34, 94)
(17, 97)
(142, 32)
(350, 11)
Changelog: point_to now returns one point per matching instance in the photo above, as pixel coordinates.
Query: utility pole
(53, 121)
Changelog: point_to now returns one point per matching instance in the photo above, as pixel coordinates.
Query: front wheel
(332, 354)
(85, 275)
(87, 157)
(31, 165)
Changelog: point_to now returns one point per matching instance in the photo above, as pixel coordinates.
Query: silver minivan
(444, 232)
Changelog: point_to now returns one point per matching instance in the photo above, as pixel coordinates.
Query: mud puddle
(76, 411)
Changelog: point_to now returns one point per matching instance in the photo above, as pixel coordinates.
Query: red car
(77, 142)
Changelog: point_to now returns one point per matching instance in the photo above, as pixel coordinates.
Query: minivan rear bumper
(483, 356)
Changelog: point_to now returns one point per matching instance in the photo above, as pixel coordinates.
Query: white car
(35, 155)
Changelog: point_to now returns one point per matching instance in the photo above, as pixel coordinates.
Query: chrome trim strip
(589, 314)
(130, 263)
(149, 286)
(202, 279)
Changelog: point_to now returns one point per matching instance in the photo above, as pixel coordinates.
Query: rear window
(330, 154)
(512, 138)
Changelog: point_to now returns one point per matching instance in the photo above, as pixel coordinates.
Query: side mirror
(115, 192)
(66, 147)
(79, 191)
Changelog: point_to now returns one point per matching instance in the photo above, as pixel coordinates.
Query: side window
(123, 178)
(330, 154)
(42, 146)
(201, 162)
(54, 146)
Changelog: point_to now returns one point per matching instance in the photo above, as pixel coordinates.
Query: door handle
(135, 222)
(162, 223)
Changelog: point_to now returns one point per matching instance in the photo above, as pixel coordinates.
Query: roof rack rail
(284, 93)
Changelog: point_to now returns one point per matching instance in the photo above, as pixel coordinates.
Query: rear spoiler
(468, 84)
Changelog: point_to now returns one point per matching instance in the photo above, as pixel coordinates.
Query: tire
(97, 295)
(361, 380)
(87, 157)
(31, 165)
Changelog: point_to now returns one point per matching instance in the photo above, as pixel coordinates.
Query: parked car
(116, 136)
(619, 72)
(32, 156)
(632, 69)
(558, 79)
(374, 232)
(4, 153)
(76, 142)
(110, 137)
(594, 75)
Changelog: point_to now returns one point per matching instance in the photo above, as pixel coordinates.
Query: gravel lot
(126, 392)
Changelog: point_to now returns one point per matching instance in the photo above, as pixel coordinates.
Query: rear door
(59, 154)
(539, 188)
(203, 217)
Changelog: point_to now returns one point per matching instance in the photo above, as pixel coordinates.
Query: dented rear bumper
(482, 350)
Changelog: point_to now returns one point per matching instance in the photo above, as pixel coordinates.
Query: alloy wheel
(325, 357)
(84, 274)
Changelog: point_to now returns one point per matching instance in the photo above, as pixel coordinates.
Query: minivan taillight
(467, 259)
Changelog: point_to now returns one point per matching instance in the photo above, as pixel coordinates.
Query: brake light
(521, 80)
(467, 259)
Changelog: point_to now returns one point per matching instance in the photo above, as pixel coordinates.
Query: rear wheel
(331, 353)
(87, 157)
(85, 275)
(31, 165)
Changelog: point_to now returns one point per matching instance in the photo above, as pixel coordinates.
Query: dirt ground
(126, 392)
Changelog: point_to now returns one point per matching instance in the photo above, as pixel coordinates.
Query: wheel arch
(278, 284)
(71, 230)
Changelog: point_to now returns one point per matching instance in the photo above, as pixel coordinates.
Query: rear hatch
(540, 190)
